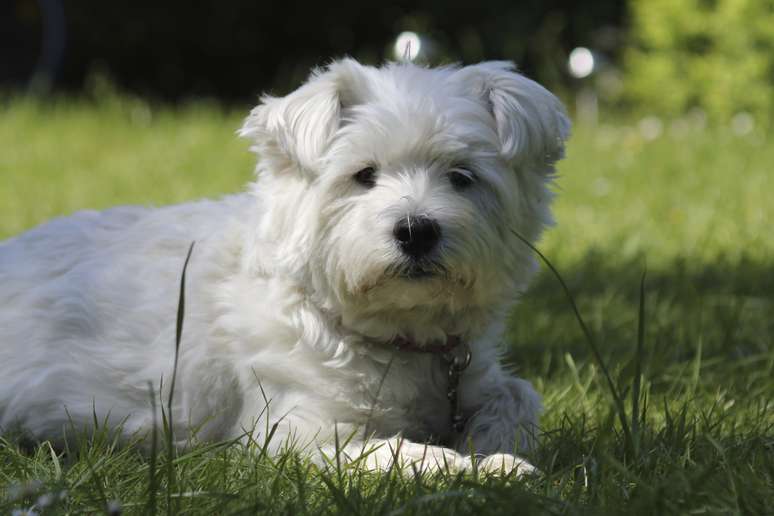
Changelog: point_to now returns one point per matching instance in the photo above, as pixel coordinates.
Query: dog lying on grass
(353, 299)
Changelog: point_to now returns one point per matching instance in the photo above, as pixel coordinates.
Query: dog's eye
(366, 177)
(461, 178)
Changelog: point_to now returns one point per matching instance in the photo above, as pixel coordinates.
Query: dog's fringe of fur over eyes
(380, 233)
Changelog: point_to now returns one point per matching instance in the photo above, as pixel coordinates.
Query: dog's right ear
(300, 126)
(531, 122)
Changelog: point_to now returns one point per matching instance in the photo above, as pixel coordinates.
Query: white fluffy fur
(290, 292)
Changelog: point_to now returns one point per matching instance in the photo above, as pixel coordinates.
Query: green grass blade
(170, 426)
(151, 505)
(638, 363)
(618, 401)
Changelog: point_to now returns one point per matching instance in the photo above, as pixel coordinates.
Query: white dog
(360, 288)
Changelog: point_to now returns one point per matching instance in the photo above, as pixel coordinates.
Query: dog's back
(87, 312)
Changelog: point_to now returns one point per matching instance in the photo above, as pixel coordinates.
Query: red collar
(404, 344)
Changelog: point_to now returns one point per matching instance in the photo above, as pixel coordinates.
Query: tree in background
(716, 55)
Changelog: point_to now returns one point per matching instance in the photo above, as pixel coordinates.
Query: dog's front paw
(409, 457)
(423, 458)
(504, 464)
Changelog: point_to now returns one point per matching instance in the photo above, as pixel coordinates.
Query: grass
(691, 360)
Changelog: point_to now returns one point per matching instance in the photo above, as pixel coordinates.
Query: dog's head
(397, 192)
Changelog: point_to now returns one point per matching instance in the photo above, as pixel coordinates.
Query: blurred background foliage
(713, 55)
(709, 60)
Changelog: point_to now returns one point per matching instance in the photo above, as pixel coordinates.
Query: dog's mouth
(418, 270)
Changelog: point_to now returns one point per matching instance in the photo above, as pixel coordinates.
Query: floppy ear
(299, 127)
(531, 122)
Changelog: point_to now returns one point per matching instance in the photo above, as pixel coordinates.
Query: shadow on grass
(720, 311)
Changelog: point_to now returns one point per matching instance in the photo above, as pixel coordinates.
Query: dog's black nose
(417, 235)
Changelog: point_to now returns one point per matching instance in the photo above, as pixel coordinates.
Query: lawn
(685, 425)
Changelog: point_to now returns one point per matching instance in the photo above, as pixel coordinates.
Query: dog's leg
(384, 454)
(505, 422)
(346, 447)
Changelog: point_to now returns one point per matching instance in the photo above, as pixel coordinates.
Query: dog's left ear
(300, 126)
(531, 122)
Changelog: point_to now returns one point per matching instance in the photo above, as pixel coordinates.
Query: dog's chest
(409, 396)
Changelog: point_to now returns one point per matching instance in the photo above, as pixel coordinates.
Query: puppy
(360, 287)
